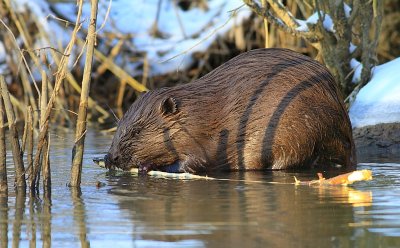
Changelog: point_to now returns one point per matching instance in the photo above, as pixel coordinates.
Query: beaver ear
(169, 106)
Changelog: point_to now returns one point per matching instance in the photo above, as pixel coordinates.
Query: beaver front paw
(145, 168)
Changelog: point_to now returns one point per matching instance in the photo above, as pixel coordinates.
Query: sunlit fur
(267, 108)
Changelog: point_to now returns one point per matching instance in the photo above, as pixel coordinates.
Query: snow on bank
(379, 101)
(193, 30)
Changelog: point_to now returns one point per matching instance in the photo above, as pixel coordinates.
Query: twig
(29, 140)
(105, 17)
(77, 155)
(310, 36)
(59, 79)
(45, 156)
(202, 40)
(3, 167)
(178, 17)
(264, 4)
(44, 48)
(16, 148)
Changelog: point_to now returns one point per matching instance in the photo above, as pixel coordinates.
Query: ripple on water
(242, 211)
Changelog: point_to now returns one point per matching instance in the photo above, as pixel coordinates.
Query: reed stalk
(45, 157)
(3, 165)
(16, 148)
(77, 154)
(29, 140)
(60, 75)
(264, 5)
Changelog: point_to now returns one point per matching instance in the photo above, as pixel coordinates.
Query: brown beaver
(266, 108)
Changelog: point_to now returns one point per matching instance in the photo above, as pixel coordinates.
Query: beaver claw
(144, 169)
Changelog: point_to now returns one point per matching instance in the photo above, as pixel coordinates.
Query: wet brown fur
(266, 108)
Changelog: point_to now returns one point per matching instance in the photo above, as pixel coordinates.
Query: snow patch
(347, 10)
(199, 28)
(327, 20)
(352, 47)
(357, 68)
(379, 100)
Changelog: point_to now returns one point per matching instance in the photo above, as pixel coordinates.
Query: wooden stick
(29, 140)
(3, 165)
(16, 148)
(264, 5)
(120, 94)
(45, 157)
(60, 75)
(77, 154)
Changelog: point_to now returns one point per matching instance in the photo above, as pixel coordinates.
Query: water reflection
(224, 212)
(80, 216)
(244, 211)
(3, 221)
(46, 221)
(19, 213)
(32, 222)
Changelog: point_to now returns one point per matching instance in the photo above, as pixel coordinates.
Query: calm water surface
(244, 211)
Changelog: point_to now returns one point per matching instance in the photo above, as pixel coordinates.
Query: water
(244, 211)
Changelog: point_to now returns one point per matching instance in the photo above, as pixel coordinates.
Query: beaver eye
(135, 131)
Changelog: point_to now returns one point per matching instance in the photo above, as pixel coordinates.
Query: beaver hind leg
(333, 153)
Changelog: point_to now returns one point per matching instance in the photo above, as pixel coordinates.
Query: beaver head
(144, 133)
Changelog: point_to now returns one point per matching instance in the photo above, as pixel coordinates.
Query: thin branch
(310, 36)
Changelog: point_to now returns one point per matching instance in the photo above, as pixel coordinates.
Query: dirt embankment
(382, 140)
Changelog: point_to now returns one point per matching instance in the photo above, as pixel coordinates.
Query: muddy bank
(381, 139)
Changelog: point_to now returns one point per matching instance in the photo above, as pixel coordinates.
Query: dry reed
(77, 154)
(14, 139)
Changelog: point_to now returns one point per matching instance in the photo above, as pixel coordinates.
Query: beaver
(264, 109)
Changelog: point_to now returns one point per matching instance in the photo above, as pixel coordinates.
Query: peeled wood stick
(16, 148)
(342, 179)
(3, 165)
(77, 154)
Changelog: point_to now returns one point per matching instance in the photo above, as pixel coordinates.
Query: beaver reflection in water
(264, 109)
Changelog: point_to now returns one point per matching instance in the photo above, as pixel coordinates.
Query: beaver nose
(109, 160)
